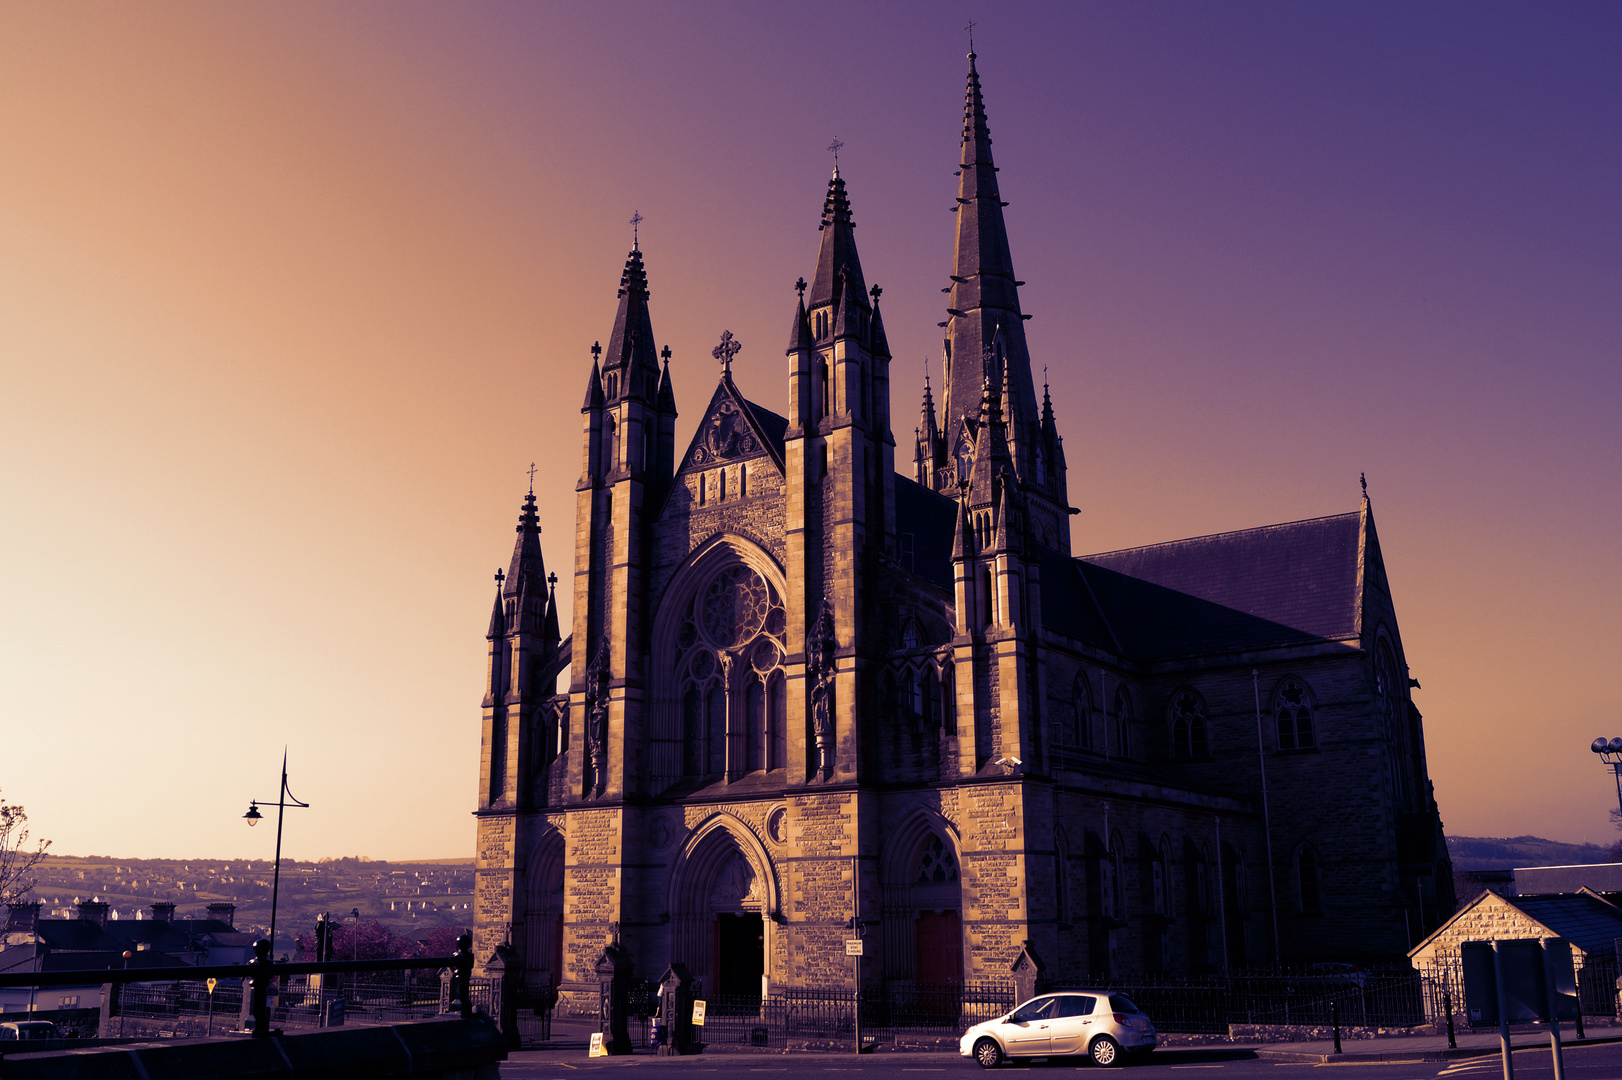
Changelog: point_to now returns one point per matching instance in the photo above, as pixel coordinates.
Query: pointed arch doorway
(723, 895)
(543, 913)
(923, 917)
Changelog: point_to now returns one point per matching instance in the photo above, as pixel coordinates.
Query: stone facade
(805, 689)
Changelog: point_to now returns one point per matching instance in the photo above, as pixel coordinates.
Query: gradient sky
(292, 294)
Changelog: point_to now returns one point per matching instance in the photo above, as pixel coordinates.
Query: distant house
(94, 943)
(1585, 918)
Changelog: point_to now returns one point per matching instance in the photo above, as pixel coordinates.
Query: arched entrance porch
(723, 893)
(923, 906)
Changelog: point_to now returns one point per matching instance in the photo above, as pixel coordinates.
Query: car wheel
(987, 1053)
(1105, 1051)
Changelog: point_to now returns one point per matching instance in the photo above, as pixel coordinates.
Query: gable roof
(1276, 585)
(764, 426)
(1584, 918)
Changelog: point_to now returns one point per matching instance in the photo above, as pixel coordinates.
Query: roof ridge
(1219, 535)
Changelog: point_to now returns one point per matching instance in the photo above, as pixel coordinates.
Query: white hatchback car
(1106, 1027)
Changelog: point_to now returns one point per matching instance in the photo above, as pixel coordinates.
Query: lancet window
(1188, 727)
(1292, 708)
(729, 658)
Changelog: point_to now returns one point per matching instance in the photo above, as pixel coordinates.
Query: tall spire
(631, 365)
(525, 585)
(837, 258)
(984, 294)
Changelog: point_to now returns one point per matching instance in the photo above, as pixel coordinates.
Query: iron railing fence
(830, 1015)
(186, 1008)
(1208, 1004)
(1597, 991)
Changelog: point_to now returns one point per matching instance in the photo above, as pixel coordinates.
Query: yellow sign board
(597, 1047)
(211, 984)
(698, 1013)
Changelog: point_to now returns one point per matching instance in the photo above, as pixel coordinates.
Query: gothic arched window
(1188, 728)
(610, 444)
(937, 864)
(1162, 876)
(1123, 723)
(729, 658)
(1292, 708)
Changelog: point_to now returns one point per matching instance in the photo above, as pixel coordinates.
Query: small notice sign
(853, 946)
(698, 1013)
(597, 1047)
(211, 985)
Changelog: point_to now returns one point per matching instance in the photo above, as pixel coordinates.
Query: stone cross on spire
(834, 148)
(970, 29)
(532, 478)
(725, 351)
(636, 221)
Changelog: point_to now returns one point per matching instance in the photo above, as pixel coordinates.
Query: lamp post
(284, 799)
(1610, 752)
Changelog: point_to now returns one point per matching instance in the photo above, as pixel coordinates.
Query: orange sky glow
(292, 294)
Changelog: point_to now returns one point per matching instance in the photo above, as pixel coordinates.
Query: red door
(940, 961)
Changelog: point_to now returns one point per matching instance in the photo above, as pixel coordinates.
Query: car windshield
(1034, 1010)
(1122, 1003)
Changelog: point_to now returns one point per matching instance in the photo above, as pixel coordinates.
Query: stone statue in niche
(597, 680)
(820, 646)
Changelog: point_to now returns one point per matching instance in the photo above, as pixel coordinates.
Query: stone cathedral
(805, 688)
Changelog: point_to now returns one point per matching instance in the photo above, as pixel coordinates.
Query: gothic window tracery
(729, 658)
(1188, 727)
(1292, 708)
(937, 864)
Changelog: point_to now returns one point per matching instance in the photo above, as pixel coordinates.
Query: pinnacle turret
(525, 587)
(837, 256)
(631, 366)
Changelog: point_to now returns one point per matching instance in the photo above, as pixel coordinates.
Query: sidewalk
(572, 1036)
(1420, 1047)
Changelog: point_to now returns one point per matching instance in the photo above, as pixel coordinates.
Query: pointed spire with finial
(837, 256)
(594, 381)
(1363, 482)
(526, 574)
(632, 358)
(799, 338)
(667, 393)
(984, 296)
(878, 340)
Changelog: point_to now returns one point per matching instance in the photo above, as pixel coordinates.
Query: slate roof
(771, 425)
(1275, 585)
(19, 959)
(931, 518)
(1587, 921)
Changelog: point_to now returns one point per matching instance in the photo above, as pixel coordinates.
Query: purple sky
(291, 295)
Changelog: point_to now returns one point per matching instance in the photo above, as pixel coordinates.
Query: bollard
(1447, 1005)
(1334, 1018)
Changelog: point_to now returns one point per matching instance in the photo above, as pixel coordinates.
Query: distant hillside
(1504, 853)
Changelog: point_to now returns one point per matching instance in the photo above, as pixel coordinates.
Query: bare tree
(16, 858)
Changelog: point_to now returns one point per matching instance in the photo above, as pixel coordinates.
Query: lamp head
(1600, 745)
(1615, 746)
(253, 815)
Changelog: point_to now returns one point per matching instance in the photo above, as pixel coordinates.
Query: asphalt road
(1601, 1062)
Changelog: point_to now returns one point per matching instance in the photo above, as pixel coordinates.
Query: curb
(1393, 1056)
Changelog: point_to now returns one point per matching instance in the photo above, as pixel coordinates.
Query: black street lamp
(1610, 752)
(253, 817)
